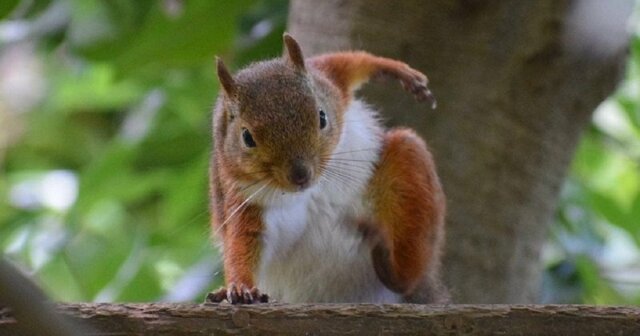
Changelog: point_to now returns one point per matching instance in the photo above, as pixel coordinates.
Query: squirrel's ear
(228, 84)
(294, 53)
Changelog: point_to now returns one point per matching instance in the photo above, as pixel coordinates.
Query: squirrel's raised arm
(349, 70)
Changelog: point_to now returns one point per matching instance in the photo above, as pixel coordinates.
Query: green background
(117, 115)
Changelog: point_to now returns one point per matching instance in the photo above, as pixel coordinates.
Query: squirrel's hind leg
(406, 230)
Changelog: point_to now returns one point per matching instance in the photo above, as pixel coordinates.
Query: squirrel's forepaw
(237, 294)
(416, 82)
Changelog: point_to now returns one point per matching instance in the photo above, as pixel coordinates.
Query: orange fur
(405, 190)
(349, 70)
(408, 211)
(242, 245)
(407, 199)
(240, 233)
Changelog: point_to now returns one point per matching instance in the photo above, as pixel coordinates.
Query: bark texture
(516, 83)
(276, 319)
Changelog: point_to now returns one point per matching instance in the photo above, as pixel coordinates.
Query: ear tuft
(294, 53)
(225, 78)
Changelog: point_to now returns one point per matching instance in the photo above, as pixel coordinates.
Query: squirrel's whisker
(348, 160)
(351, 151)
(351, 167)
(341, 176)
(252, 174)
(246, 187)
(242, 205)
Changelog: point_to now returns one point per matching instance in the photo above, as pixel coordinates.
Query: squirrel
(312, 199)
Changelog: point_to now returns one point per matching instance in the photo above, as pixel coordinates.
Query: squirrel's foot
(237, 294)
(416, 82)
(381, 254)
(371, 233)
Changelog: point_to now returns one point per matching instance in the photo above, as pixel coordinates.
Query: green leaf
(92, 88)
(102, 29)
(102, 262)
(185, 201)
(611, 210)
(202, 29)
(161, 37)
(7, 6)
(59, 281)
(596, 289)
(143, 287)
(114, 177)
(141, 201)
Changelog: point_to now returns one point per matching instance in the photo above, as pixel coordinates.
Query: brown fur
(242, 243)
(277, 101)
(409, 208)
(349, 70)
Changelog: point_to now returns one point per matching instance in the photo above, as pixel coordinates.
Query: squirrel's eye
(247, 138)
(323, 119)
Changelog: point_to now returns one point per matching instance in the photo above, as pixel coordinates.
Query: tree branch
(346, 319)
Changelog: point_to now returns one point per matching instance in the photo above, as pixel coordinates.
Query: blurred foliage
(103, 189)
(594, 256)
(123, 126)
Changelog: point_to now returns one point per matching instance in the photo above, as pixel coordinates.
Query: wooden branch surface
(345, 319)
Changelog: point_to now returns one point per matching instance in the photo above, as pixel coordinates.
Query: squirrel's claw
(416, 82)
(217, 296)
(237, 294)
(428, 96)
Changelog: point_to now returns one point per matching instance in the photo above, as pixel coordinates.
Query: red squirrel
(312, 199)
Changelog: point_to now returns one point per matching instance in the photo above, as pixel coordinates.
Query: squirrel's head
(279, 121)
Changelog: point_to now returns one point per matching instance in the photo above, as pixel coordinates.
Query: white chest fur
(312, 251)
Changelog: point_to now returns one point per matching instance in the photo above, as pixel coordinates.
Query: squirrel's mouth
(296, 187)
(296, 177)
(290, 187)
(302, 187)
(300, 175)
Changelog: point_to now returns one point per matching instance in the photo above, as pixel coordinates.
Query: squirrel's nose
(299, 174)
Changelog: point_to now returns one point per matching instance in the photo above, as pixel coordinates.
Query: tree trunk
(516, 83)
(336, 319)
